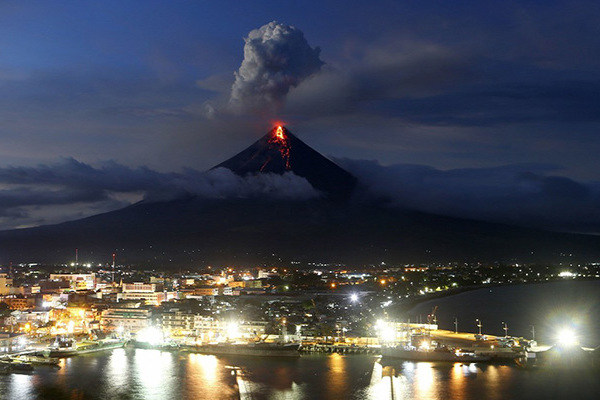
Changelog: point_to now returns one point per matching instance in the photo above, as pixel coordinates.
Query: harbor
(327, 368)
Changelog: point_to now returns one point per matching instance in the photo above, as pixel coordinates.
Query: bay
(547, 307)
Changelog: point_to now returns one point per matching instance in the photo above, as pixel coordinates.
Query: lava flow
(280, 138)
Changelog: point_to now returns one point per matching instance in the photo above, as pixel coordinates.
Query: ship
(162, 346)
(260, 349)
(68, 347)
(15, 366)
(412, 353)
(36, 360)
(559, 357)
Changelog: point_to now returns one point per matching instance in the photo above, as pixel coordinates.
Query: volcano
(194, 230)
(279, 152)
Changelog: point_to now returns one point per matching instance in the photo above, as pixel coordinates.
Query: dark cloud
(526, 195)
(277, 58)
(405, 70)
(428, 84)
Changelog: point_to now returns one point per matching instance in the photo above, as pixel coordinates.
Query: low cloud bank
(529, 195)
(70, 189)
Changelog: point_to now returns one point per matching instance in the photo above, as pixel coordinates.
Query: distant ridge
(279, 151)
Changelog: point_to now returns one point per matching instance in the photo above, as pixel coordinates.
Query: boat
(37, 360)
(17, 366)
(528, 360)
(67, 347)
(412, 353)
(166, 346)
(261, 349)
(62, 347)
(558, 357)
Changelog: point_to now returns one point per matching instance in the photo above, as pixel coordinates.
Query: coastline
(408, 304)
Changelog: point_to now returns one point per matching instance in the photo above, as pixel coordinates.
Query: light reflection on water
(151, 374)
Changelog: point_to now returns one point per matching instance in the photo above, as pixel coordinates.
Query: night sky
(476, 109)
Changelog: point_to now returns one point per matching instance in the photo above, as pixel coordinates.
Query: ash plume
(277, 57)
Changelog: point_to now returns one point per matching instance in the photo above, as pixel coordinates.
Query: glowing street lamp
(505, 327)
(354, 298)
(479, 325)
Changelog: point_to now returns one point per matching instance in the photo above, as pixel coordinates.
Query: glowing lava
(280, 139)
(279, 133)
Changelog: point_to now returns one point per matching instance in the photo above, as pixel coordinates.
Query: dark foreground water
(151, 374)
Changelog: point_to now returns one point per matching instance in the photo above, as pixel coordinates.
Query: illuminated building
(12, 342)
(206, 291)
(177, 321)
(77, 281)
(149, 292)
(5, 284)
(129, 319)
(19, 303)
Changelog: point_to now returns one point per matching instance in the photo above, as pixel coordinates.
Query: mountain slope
(280, 151)
(195, 232)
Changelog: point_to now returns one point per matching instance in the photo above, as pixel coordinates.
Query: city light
(354, 297)
(566, 274)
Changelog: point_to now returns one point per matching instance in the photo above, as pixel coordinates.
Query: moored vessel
(412, 353)
(249, 349)
(67, 347)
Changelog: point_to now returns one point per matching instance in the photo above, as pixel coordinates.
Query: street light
(532, 332)
(505, 327)
(479, 325)
(455, 325)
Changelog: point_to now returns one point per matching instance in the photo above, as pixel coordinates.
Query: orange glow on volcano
(280, 139)
(279, 133)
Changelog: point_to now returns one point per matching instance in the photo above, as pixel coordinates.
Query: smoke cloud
(277, 58)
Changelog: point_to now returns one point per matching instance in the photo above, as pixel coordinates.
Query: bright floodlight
(388, 334)
(566, 337)
(233, 330)
(354, 297)
(150, 335)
